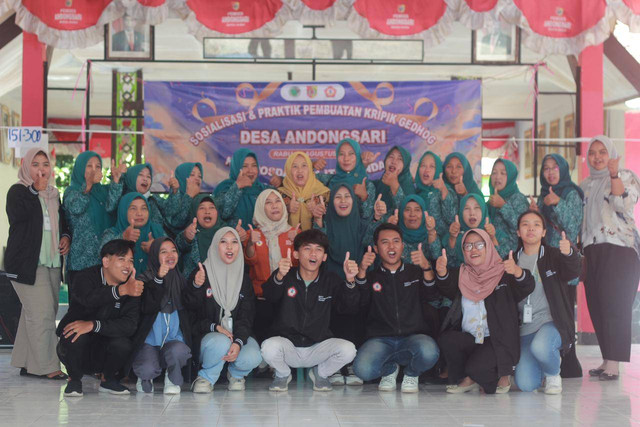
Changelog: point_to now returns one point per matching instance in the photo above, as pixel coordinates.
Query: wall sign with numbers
(27, 137)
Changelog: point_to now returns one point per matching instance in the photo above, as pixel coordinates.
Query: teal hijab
(131, 176)
(426, 191)
(98, 196)
(404, 178)
(359, 171)
(419, 235)
(183, 171)
(512, 184)
(248, 195)
(562, 188)
(467, 178)
(140, 256)
(463, 225)
(205, 235)
(345, 233)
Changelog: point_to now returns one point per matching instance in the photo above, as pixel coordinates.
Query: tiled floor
(584, 402)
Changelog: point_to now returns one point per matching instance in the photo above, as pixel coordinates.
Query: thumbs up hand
(532, 204)
(393, 219)
(174, 185)
(294, 204)
(131, 233)
(145, 246)
(418, 258)
(551, 199)
(511, 267)
(191, 230)
(241, 232)
(319, 164)
(429, 221)
(489, 228)
(350, 268)
(441, 264)
(275, 181)
(360, 190)
(460, 188)
(293, 233)
(367, 261)
(565, 245)
(163, 270)
(200, 276)
(132, 287)
(454, 228)
(254, 236)
(320, 209)
(379, 208)
(284, 266)
(496, 201)
(243, 181)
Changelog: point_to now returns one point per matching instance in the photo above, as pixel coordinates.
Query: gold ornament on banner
(253, 101)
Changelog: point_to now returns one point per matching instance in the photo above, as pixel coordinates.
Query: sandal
(60, 376)
(595, 372)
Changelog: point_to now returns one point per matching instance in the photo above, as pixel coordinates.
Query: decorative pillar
(127, 111)
(591, 124)
(34, 55)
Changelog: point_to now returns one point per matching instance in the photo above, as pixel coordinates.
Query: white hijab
(271, 229)
(225, 279)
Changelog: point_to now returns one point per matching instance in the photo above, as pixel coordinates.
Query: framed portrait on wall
(498, 45)
(528, 153)
(126, 39)
(5, 119)
(570, 148)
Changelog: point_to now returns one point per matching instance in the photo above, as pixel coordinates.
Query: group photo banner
(207, 122)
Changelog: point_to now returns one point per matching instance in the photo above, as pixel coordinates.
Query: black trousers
(465, 358)
(611, 285)
(265, 313)
(93, 353)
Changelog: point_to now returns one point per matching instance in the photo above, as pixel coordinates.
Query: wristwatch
(427, 269)
(617, 175)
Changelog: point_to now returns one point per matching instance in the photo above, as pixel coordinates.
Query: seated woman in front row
(481, 338)
(548, 328)
(221, 299)
(163, 338)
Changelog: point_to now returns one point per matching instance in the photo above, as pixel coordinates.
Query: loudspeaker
(10, 308)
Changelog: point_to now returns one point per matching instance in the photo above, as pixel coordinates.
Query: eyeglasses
(553, 169)
(468, 247)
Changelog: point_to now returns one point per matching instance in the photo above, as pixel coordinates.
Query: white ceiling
(507, 91)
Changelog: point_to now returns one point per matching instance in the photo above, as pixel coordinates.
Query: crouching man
(95, 334)
(304, 296)
(392, 295)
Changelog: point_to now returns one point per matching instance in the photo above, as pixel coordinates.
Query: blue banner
(208, 122)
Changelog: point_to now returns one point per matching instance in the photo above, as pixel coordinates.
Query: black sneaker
(113, 387)
(73, 389)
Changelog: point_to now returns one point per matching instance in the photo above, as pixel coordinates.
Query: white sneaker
(388, 382)
(352, 378)
(200, 385)
(169, 387)
(140, 387)
(235, 384)
(553, 384)
(336, 379)
(410, 384)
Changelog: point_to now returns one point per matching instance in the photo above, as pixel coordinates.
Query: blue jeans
(215, 346)
(539, 357)
(378, 356)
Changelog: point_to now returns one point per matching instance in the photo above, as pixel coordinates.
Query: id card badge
(479, 334)
(527, 312)
(46, 223)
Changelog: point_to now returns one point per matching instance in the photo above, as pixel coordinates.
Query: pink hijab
(478, 282)
(51, 196)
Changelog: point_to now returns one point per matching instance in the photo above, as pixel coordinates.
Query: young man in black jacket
(392, 296)
(305, 295)
(95, 334)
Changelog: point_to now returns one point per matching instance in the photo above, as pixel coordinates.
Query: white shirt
(474, 315)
